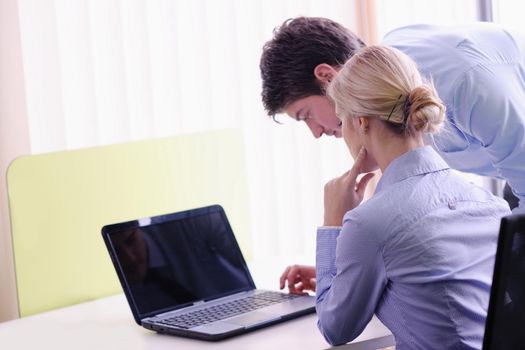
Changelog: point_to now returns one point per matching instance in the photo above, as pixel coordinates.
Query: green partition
(59, 202)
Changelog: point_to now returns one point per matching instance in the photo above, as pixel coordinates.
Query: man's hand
(344, 193)
(299, 278)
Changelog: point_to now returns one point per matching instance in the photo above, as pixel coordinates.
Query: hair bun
(426, 111)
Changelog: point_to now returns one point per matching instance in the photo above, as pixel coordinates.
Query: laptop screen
(170, 261)
(506, 314)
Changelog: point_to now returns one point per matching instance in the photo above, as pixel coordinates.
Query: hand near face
(344, 193)
(299, 278)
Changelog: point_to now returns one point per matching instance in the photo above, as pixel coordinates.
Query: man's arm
(489, 105)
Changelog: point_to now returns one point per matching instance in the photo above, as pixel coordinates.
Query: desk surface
(108, 324)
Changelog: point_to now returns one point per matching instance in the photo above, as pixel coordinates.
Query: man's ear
(324, 73)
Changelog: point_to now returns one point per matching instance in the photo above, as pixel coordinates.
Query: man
(478, 71)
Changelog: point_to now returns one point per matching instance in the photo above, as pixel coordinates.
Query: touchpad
(252, 319)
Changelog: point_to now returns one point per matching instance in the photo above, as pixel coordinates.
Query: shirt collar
(419, 161)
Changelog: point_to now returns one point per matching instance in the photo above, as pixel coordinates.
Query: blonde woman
(419, 253)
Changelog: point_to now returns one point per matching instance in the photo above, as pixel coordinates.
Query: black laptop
(505, 326)
(184, 274)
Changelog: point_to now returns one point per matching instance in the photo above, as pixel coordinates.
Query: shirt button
(452, 205)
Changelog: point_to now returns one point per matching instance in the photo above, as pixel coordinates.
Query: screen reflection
(170, 263)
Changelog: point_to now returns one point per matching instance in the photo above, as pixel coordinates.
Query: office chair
(505, 325)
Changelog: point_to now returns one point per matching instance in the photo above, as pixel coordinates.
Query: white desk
(108, 324)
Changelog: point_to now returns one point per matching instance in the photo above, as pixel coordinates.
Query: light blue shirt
(419, 254)
(479, 72)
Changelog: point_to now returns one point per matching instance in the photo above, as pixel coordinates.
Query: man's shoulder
(476, 41)
(429, 32)
(446, 53)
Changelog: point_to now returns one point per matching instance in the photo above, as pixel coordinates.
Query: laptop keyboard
(229, 309)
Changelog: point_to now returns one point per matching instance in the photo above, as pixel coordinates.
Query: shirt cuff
(328, 228)
(326, 245)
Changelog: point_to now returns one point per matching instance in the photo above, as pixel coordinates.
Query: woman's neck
(389, 147)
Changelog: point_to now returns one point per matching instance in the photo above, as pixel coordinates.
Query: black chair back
(505, 326)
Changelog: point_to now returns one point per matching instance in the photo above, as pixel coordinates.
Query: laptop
(505, 325)
(184, 274)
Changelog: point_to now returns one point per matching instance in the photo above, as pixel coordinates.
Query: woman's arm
(349, 266)
(351, 278)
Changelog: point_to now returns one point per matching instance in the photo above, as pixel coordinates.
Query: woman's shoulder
(375, 217)
(411, 200)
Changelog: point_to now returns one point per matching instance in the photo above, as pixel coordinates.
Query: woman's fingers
(361, 186)
(298, 278)
(358, 165)
(282, 280)
(313, 283)
(290, 277)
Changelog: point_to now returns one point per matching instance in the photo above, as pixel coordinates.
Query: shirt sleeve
(350, 281)
(490, 107)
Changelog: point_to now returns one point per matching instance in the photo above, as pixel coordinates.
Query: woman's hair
(383, 82)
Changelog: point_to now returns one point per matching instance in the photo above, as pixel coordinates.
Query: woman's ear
(324, 73)
(364, 125)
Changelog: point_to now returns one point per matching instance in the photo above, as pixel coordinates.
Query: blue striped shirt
(419, 254)
(479, 72)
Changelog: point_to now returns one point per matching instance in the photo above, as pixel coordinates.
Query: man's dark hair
(298, 46)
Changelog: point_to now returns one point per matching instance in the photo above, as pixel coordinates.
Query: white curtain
(105, 71)
(509, 13)
(394, 14)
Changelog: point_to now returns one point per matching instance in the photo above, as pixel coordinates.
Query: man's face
(318, 112)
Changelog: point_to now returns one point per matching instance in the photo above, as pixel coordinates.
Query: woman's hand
(300, 278)
(344, 193)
